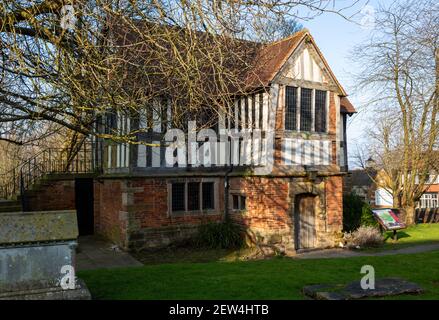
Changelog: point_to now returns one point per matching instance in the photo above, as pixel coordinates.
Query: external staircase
(10, 206)
(35, 173)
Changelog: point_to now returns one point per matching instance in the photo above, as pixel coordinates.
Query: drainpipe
(226, 192)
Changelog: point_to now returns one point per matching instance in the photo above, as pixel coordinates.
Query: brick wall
(334, 203)
(149, 205)
(134, 213)
(269, 215)
(333, 126)
(332, 114)
(280, 111)
(266, 218)
(111, 217)
(52, 195)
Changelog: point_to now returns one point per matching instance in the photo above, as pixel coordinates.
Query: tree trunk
(396, 200)
(410, 215)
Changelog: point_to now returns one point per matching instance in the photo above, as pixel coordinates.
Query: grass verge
(277, 278)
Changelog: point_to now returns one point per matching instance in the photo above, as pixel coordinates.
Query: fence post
(14, 179)
(50, 161)
(22, 192)
(28, 174)
(44, 169)
(34, 173)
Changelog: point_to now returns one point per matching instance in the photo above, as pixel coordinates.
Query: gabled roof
(271, 58)
(262, 61)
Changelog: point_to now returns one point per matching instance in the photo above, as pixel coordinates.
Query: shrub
(364, 236)
(223, 235)
(352, 208)
(367, 218)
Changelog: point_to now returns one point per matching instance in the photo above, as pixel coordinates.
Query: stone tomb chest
(37, 251)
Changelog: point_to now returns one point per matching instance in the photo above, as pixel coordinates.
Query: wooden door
(305, 229)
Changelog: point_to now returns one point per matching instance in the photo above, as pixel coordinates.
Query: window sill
(193, 213)
(306, 132)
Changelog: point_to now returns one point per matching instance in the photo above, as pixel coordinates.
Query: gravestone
(37, 254)
(383, 287)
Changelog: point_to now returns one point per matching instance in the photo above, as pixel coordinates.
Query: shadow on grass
(185, 253)
(417, 235)
(188, 254)
(400, 234)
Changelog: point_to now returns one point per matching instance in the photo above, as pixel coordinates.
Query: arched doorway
(305, 221)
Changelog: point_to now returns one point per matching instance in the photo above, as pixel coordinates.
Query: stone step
(10, 206)
(9, 203)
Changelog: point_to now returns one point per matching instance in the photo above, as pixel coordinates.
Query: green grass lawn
(414, 235)
(277, 278)
(187, 273)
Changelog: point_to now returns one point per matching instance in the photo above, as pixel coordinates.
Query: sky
(336, 38)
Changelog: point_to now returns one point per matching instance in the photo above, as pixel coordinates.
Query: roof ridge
(295, 34)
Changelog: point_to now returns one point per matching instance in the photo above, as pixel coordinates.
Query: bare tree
(383, 148)
(63, 61)
(279, 28)
(401, 66)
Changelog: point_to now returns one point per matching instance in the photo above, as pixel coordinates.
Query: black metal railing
(49, 161)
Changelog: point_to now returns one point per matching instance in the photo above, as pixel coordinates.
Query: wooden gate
(304, 217)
